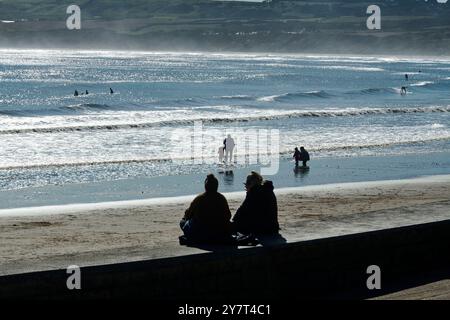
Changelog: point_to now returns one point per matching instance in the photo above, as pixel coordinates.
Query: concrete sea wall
(318, 269)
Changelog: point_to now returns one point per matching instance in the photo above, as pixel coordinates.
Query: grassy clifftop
(338, 26)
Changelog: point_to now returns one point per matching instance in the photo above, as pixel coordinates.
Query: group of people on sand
(208, 219)
(76, 93)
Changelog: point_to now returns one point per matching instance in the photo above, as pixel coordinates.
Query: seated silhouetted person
(208, 218)
(258, 214)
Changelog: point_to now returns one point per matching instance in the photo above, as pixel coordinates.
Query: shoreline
(323, 171)
(131, 204)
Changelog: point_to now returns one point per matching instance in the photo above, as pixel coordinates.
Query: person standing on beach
(304, 156)
(207, 220)
(258, 214)
(297, 156)
(229, 147)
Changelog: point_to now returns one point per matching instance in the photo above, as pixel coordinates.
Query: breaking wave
(231, 119)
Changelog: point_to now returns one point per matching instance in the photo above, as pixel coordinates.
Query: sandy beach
(55, 237)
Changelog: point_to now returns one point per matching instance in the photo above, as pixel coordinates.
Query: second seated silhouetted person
(258, 214)
(207, 220)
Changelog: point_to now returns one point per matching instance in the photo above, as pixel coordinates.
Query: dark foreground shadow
(265, 241)
(217, 248)
(329, 268)
(272, 240)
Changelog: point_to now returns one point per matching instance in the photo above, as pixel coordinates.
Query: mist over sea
(335, 106)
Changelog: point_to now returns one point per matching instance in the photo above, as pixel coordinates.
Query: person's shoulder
(268, 185)
(221, 196)
(200, 197)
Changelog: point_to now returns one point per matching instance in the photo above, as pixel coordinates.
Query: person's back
(267, 222)
(210, 210)
(207, 219)
(304, 156)
(229, 143)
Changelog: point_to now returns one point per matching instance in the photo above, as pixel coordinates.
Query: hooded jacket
(258, 213)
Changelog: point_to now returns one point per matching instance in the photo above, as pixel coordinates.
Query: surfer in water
(76, 94)
(87, 92)
(403, 91)
(406, 77)
(111, 91)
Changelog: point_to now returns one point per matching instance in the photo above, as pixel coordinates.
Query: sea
(341, 108)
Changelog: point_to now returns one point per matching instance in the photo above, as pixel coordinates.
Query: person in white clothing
(229, 148)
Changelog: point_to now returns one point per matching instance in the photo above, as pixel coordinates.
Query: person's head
(302, 148)
(296, 149)
(229, 136)
(253, 179)
(211, 183)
